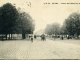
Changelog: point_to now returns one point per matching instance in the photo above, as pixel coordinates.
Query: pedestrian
(62, 38)
(31, 39)
(35, 36)
(41, 37)
(68, 37)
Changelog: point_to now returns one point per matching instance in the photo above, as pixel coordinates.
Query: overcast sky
(44, 14)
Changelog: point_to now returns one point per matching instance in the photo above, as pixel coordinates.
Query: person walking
(35, 36)
(62, 37)
(31, 38)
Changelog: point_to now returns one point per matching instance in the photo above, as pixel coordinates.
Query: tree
(25, 24)
(56, 28)
(48, 29)
(8, 16)
(52, 29)
(73, 24)
(63, 30)
(12, 21)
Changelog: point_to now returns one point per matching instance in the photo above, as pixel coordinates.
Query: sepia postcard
(39, 29)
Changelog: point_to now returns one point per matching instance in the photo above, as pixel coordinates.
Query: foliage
(63, 30)
(8, 16)
(53, 29)
(12, 21)
(73, 24)
(25, 23)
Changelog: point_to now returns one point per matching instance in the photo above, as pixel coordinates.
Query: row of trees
(52, 29)
(71, 26)
(12, 20)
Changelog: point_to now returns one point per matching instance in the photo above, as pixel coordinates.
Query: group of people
(43, 38)
(68, 37)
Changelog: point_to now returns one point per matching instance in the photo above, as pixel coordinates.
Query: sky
(43, 13)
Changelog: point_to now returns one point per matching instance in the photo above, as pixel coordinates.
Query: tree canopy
(8, 16)
(25, 24)
(13, 21)
(73, 24)
(53, 29)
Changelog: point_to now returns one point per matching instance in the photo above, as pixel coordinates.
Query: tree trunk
(2, 37)
(23, 35)
(11, 36)
(6, 36)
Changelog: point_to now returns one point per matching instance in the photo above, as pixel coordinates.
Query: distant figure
(31, 38)
(35, 36)
(43, 37)
(62, 37)
(69, 37)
